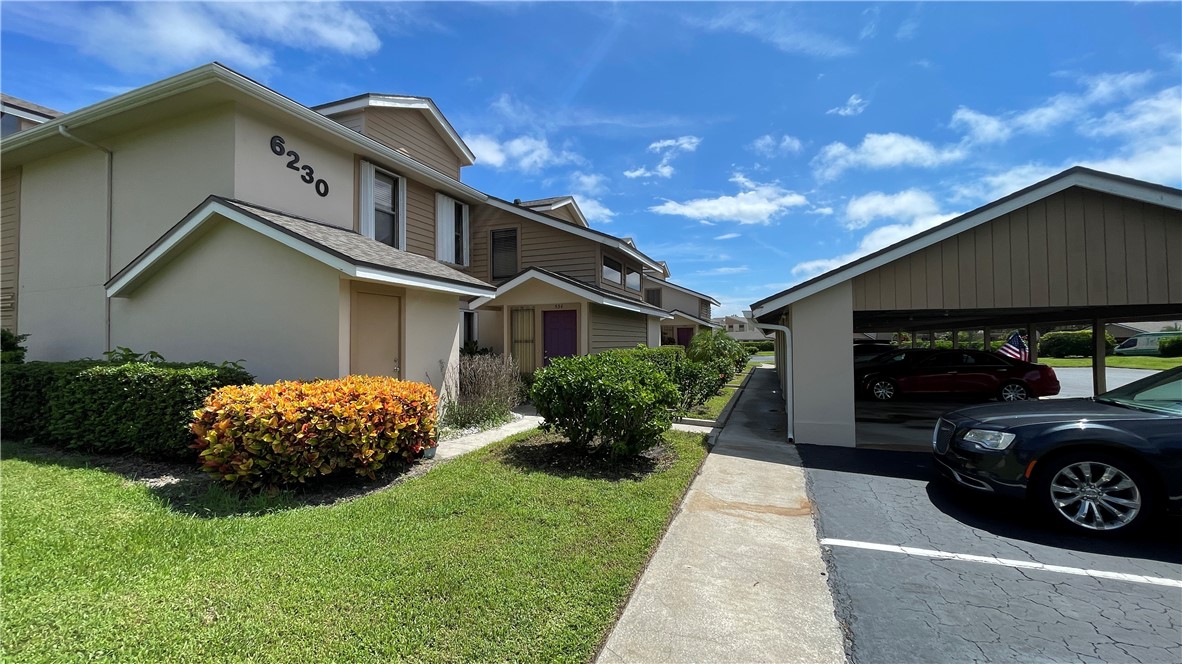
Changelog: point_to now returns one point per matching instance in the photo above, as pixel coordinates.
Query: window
(451, 230)
(503, 252)
(383, 205)
(632, 279)
(470, 327)
(613, 270)
(653, 296)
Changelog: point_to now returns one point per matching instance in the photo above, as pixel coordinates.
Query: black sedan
(1100, 465)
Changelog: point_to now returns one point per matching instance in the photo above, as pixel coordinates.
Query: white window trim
(445, 251)
(368, 172)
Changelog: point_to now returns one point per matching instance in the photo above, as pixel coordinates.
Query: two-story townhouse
(689, 310)
(208, 217)
(742, 329)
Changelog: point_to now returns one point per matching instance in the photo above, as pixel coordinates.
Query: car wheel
(1013, 392)
(1094, 492)
(883, 389)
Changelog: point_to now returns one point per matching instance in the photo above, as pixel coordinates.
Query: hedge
(1067, 344)
(1170, 347)
(291, 431)
(612, 401)
(103, 407)
(759, 346)
(696, 382)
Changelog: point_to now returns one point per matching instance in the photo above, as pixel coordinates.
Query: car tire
(1013, 391)
(883, 389)
(1071, 491)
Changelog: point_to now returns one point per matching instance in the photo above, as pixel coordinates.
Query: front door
(374, 347)
(684, 334)
(560, 334)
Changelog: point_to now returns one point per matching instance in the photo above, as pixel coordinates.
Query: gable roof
(1077, 176)
(555, 202)
(577, 288)
(26, 109)
(700, 321)
(347, 251)
(424, 104)
(683, 289)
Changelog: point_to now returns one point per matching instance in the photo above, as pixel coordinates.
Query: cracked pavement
(900, 608)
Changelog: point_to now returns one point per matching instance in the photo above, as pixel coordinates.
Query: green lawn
(1121, 361)
(487, 557)
(714, 405)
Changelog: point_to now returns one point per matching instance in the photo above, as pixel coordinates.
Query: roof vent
(517, 201)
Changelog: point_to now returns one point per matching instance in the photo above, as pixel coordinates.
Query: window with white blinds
(503, 252)
(383, 206)
(451, 230)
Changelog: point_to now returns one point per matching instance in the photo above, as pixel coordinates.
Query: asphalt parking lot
(1101, 601)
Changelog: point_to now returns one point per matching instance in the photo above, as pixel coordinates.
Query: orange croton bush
(266, 435)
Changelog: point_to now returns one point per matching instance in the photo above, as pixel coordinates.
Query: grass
(714, 405)
(483, 558)
(765, 353)
(1116, 361)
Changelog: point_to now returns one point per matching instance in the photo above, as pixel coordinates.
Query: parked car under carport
(911, 371)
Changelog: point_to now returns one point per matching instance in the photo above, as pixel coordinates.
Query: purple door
(560, 334)
(684, 334)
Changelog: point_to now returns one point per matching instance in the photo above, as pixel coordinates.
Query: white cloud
(756, 203)
(487, 150)
(771, 146)
(1158, 115)
(824, 211)
(523, 153)
(782, 31)
(979, 127)
(588, 187)
(870, 23)
(668, 149)
(853, 106)
(595, 211)
(722, 271)
(152, 37)
(882, 151)
(909, 204)
(728, 236)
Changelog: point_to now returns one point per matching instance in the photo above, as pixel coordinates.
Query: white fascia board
(561, 284)
(396, 101)
(615, 243)
(694, 319)
(23, 114)
(687, 291)
(198, 219)
(1086, 180)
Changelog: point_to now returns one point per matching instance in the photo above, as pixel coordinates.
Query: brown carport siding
(1080, 246)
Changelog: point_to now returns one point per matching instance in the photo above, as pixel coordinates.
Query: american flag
(1016, 348)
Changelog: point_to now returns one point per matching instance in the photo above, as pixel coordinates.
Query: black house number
(307, 174)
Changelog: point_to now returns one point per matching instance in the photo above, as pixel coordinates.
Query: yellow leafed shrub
(287, 432)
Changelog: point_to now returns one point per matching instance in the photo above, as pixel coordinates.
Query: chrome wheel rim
(1013, 393)
(883, 390)
(1095, 496)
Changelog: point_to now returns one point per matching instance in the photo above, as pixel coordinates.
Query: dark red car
(920, 371)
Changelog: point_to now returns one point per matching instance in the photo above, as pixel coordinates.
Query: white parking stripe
(989, 560)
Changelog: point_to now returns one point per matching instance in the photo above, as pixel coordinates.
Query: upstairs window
(613, 271)
(383, 206)
(653, 296)
(451, 230)
(632, 279)
(503, 252)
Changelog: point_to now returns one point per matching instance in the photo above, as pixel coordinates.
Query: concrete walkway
(739, 575)
(454, 447)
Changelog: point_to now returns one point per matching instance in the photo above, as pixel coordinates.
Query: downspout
(787, 373)
(110, 194)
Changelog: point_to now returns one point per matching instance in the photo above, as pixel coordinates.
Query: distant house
(690, 309)
(741, 329)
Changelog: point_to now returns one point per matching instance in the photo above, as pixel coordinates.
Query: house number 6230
(309, 175)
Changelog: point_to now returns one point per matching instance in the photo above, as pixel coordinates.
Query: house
(690, 310)
(207, 217)
(741, 328)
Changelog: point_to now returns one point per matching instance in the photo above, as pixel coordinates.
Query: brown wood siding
(409, 130)
(354, 120)
(538, 246)
(614, 328)
(420, 219)
(10, 223)
(1078, 247)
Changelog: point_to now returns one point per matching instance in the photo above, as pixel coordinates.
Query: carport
(1082, 246)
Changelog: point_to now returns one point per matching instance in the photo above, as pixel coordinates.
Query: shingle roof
(29, 106)
(543, 201)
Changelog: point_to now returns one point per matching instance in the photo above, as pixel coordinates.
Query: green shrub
(709, 345)
(611, 401)
(665, 358)
(487, 388)
(270, 435)
(759, 346)
(1170, 347)
(1068, 344)
(12, 350)
(696, 382)
(25, 395)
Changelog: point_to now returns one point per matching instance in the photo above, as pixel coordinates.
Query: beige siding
(420, 219)
(410, 131)
(538, 246)
(354, 120)
(565, 213)
(613, 328)
(10, 224)
(1078, 247)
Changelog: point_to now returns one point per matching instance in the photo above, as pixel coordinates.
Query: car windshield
(1161, 393)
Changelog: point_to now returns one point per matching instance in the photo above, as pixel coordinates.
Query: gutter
(110, 158)
(787, 374)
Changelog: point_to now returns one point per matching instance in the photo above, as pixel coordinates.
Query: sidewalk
(454, 447)
(739, 575)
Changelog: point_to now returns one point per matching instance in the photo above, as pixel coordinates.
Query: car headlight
(994, 440)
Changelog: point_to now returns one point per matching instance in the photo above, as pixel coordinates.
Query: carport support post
(1099, 348)
(986, 337)
(1032, 342)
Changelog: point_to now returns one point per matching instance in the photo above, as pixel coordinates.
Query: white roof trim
(683, 289)
(1086, 179)
(204, 75)
(398, 101)
(125, 282)
(614, 242)
(565, 200)
(700, 321)
(24, 115)
(562, 284)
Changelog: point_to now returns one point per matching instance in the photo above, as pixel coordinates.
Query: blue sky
(750, 145)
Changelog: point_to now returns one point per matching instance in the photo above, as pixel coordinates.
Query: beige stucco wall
(235, 294)
(63, 240)
(490, 329)
(262, 177)
(654, 331)
(432, 338)
(823, 367)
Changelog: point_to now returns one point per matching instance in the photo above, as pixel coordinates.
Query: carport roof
(767, 309)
